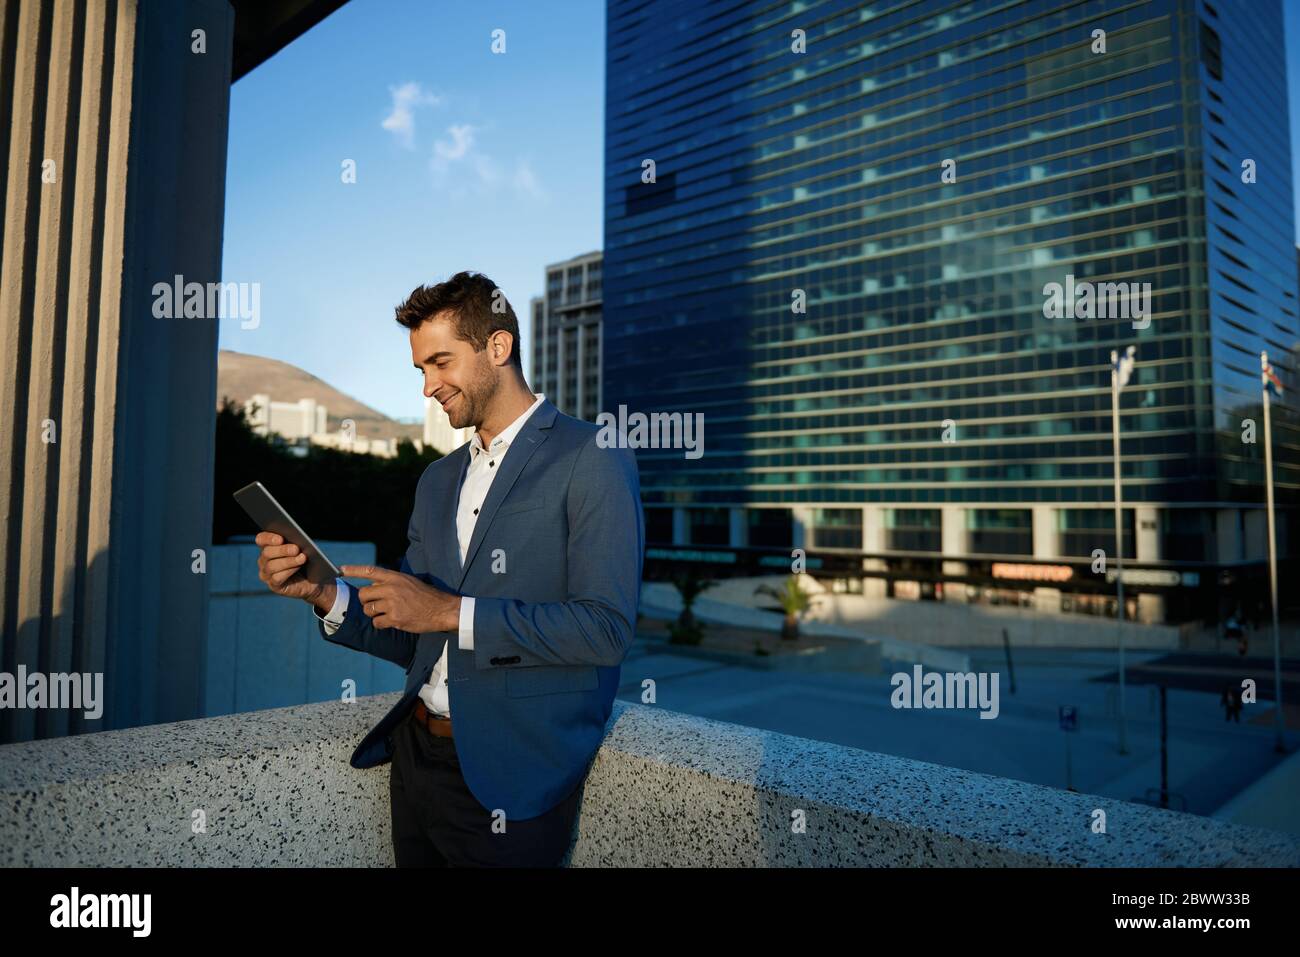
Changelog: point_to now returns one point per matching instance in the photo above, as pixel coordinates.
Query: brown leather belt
(434, 723)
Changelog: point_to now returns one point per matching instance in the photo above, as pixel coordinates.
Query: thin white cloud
(526, 181)
(459, 150)
(488, 170)
(406, 99)
(446, 152)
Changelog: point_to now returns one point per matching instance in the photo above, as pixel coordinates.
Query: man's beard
(469, 408)
(463, 415)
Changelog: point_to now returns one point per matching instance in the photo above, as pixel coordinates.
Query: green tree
(690, 585)
(333, 494)
(794, 601)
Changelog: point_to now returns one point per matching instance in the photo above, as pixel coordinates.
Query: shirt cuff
(466, 638)
(334, 618)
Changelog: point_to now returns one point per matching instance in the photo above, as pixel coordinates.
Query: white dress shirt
(473, 493)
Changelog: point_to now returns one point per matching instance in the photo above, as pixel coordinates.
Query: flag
(1123, 366)
(1270, 380)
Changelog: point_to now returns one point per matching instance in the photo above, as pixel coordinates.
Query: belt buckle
(427, 718)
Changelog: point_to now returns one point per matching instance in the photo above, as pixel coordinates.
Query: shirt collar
(507, 435)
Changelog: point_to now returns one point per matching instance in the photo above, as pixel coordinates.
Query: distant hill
(241, 376)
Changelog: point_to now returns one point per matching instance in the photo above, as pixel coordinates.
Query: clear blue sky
(465, 160)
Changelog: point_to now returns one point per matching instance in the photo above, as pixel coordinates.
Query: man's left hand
(396, 600)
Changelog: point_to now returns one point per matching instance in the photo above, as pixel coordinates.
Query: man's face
(461, 380)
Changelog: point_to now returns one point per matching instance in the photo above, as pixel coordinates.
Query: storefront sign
(681, 555)
(1147, 576)
(1033, 573)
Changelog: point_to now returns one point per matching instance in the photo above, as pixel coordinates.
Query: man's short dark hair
(469, 297)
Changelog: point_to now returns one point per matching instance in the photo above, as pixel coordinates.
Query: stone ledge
(857, 656)
(696, 792)
(665, 789)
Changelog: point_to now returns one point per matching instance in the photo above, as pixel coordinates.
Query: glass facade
(837, 528)
(1082, 529)
(857, 329)
(1000, 531)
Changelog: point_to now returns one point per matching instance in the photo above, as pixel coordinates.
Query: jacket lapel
(441, 542)
(526, 443)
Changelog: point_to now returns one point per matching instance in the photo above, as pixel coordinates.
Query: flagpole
(1119, 537)
(1280, 742)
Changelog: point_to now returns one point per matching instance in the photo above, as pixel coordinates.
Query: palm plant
(690, 586)
(794, 601)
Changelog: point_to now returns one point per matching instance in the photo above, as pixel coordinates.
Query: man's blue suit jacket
(554, 566)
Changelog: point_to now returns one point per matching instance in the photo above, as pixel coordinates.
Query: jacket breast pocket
(517, 508)
(550, 679)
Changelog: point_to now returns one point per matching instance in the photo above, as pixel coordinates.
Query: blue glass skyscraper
(842, 257)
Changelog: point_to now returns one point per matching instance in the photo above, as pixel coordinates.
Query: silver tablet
(269, 516)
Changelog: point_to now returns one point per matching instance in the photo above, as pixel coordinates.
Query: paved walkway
(1259, 641)
(1209, 760)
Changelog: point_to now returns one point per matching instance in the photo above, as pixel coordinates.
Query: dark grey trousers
(437, 822)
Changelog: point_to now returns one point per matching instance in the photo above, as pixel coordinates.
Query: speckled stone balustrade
(666, 789)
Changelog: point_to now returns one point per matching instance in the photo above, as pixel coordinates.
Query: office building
(831, 229)
(566, 337)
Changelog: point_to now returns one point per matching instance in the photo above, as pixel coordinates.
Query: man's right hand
(278, 566)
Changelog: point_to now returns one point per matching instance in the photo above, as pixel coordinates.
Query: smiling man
(513, 609)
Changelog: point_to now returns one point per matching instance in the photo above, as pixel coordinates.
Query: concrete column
(681, 526)
(1047, 545)
(1047, 539)
(873, 542)
(739, 530)
(106, 451)
(955, 539)
(802, 526)
(873, 529)
(1256, 534)
(1146, 533)
(1231, 543)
